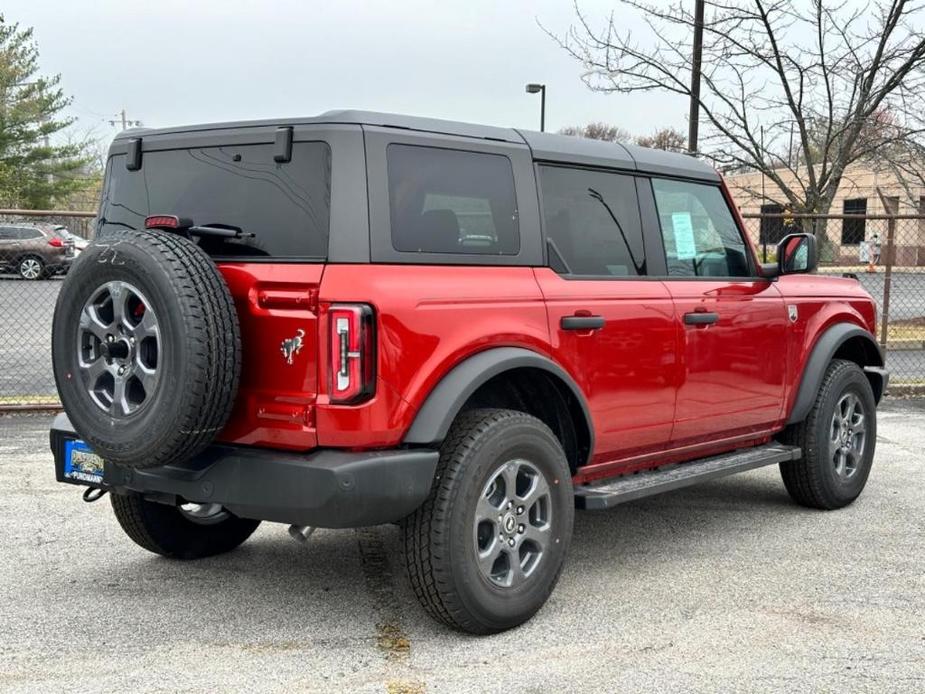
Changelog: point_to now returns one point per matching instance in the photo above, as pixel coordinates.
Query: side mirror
(796, 253)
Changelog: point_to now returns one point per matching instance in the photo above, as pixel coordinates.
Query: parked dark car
(34, 251)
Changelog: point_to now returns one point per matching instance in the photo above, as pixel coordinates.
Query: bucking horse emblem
(292, 346)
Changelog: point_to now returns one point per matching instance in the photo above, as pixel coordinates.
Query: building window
(852, 230)
(772, 228)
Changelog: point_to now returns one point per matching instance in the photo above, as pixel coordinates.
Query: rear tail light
(162, 221)
(352, 369)
(56, 242)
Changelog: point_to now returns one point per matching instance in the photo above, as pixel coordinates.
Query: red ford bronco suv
(470, 331)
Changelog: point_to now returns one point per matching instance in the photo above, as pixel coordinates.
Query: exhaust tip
(301, 533)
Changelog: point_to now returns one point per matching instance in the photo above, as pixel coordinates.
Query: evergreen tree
(34, 172)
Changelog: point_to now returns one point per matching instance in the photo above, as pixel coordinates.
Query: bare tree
(791, 89)
(598, 131)
(669, 139)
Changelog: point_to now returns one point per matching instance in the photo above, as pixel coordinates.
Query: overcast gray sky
(170, 62)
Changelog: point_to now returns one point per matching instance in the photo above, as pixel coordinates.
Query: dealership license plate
(82, 465)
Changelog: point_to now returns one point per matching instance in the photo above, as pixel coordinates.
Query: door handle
(700, 318)
(581, 322)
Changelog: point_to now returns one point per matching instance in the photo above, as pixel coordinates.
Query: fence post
(888, 271)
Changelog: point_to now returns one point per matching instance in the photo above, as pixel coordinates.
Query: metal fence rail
(848, 244)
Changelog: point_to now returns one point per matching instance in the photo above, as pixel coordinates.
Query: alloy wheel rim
(847, 436)
(119, 349)
(30, 268)
(513, 523)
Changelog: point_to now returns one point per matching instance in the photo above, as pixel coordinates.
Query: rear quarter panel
(428, 319)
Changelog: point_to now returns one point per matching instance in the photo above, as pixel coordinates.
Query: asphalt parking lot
(723, 587)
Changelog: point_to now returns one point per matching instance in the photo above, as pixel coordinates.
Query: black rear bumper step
(326, 488)
(670, 477)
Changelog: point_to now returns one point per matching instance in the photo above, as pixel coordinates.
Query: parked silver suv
(34, 251)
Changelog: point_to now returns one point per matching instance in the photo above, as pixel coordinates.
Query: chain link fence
(885, 253)
(36, 249)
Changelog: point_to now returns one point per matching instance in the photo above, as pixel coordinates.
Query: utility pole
(694, 118)
(126, 122)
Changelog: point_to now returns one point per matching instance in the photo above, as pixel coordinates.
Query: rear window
(285, 205)
(451, 201)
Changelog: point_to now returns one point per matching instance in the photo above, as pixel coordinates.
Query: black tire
(164, 530)
(813, 480)
(26, 265)
(439, 543)
(198, 349)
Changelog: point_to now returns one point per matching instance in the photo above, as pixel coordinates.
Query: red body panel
(275, 303)
(658, 391)
(733, 370)
(429, 318)
(629, 369)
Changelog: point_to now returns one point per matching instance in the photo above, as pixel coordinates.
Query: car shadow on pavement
(314, 589)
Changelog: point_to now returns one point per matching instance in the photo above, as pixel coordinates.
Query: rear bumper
(326, 488)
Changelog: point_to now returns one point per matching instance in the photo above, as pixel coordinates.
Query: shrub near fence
(896, 281)
(33, 253)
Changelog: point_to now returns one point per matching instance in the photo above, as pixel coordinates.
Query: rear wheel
(838, 438)
(31, 268)
(191, 531)
(485, 550)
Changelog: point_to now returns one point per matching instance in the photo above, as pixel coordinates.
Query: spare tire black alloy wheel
(146, 348)
(118, 344)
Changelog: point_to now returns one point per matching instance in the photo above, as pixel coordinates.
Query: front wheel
(838, 438)
(485, 550)
(190, 531)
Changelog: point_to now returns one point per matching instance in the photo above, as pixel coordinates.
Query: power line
(126, 122)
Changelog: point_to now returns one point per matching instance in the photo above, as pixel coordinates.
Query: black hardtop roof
(545, 146)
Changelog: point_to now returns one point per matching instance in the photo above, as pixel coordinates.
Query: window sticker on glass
(683, 235)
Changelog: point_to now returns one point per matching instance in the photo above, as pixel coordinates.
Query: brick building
(755, 193)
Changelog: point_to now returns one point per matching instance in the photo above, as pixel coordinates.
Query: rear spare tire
(146, 348)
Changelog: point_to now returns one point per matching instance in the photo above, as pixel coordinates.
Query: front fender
(823, 352)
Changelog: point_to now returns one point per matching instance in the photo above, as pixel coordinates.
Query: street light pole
(533, 88)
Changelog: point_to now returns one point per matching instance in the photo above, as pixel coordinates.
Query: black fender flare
(433, 419)
(826, 347)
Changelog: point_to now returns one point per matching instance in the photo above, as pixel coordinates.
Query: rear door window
(451, 201)
(286, 206)
(592, 219)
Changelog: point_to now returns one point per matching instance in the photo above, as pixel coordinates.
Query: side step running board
(670, 477)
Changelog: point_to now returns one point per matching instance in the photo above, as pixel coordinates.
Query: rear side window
(285, 205)
(451, 201)
(700, 234)
(27, 234)
(592, 219)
